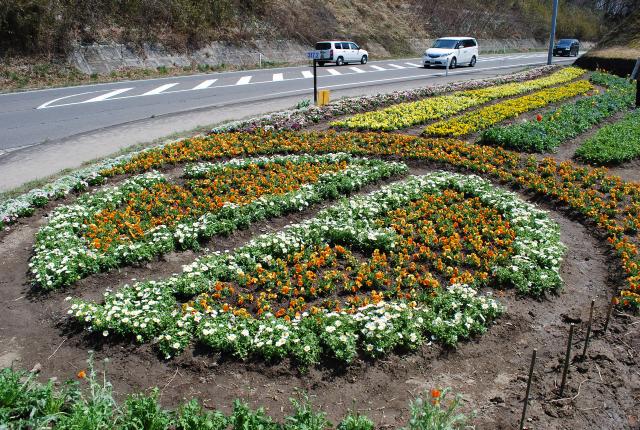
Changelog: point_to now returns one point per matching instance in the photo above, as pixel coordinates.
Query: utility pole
(552, 37)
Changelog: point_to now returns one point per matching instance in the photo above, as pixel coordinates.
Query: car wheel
(427, 66)
(453, 63)
(473, 61)
(364, 59)
(339, 61)
(320, 63)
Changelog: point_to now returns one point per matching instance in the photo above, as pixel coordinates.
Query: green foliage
(191, 416)
(565, 122)
(613, 144)
(27, 404)
(244, 418)
(355, 421)
(305, 417)
(436, 413)
(143, 412)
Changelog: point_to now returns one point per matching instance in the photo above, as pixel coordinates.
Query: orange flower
(81, 374)
(435, 393)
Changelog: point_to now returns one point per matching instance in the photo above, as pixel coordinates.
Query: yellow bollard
(323, 97)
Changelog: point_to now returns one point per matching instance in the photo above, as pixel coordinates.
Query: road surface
(53, 115)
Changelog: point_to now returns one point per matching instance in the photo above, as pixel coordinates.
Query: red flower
(539, 117)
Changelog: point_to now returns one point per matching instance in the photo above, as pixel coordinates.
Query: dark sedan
(568, 47)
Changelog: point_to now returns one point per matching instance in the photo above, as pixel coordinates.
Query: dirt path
(489, 371)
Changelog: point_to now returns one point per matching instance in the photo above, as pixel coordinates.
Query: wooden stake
(567, 359)
(609, 311)
(586, 341)
(526, 397)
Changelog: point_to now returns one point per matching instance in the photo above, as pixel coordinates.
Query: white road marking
(160, 89)
(377, 67)
(334, 72)
(205, 84)
(107, 95)
(413, 64)
(357, 70)
(307, 74)
(244, 80)
(419, 76)
(396, 66)
(278, 77)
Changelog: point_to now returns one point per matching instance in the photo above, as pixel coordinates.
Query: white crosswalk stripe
(244, 80)
(376, 67)
(160, 89)
(412, 64)
(357, 69)
(278, 77)
(107, 95)
(396, 66)
(307, 74)
(334, 72)
(204, 84)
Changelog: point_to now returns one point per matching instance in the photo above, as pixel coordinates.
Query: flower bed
(409, 114)
(613, 144)
(486, 117)
(607, 201)
(553, 128)
(300, 118)
(369, 275)
(146, 216)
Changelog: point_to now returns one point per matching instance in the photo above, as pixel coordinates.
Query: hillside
(54, 27)
(619, 48)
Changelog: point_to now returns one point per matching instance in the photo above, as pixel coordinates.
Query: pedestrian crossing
(227, 80)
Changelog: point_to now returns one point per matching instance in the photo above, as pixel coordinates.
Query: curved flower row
(336, 326)
(614, 143)
(483, 118)
(299, 118)
(138, 220)
(566, 122)
(409, 114)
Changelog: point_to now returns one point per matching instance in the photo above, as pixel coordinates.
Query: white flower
(330, 329)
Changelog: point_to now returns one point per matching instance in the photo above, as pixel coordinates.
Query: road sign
(318, 55)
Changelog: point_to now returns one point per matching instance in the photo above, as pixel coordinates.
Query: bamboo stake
(567, 358)
(586, 341)
(526, 397)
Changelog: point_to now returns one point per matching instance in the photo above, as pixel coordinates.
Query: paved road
(34, 117)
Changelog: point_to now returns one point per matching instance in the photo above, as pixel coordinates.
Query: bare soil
(603, 391)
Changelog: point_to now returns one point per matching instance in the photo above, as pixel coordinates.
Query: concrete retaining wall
(105, 58)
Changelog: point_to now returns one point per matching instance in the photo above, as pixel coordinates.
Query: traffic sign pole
(315, 82)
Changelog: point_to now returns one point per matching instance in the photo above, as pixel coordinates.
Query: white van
(341, 53)
(456, 50)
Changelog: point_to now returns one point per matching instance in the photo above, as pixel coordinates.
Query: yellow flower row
(409, 114)
(484, 118)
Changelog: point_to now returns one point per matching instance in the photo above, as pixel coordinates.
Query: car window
(444, 43)
(469, 43)
(353, 46)
(323, 45)
(342, 45)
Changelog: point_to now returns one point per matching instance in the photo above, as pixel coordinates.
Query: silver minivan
(341, 53)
